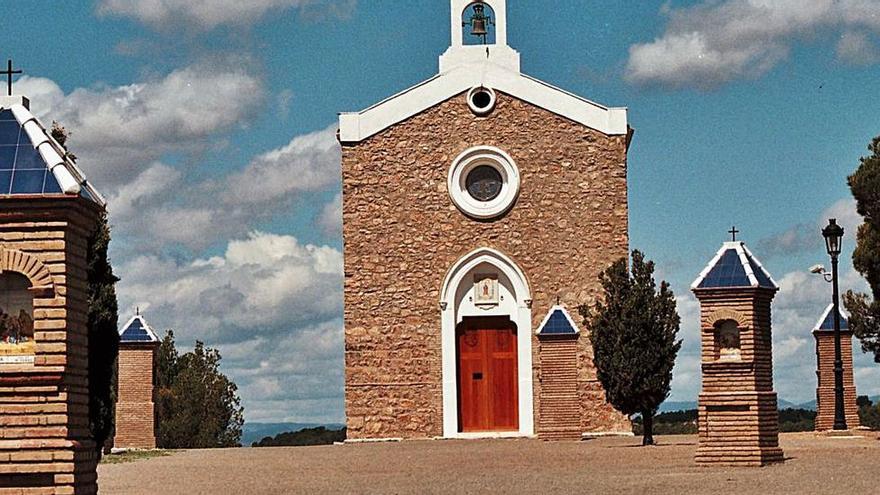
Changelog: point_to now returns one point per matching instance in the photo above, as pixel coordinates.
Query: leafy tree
(197, 406)
(865, 313)
(633, 332)
(305, 437)
(102, 322)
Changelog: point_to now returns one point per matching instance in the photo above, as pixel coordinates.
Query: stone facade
(45, 444)
(135, 409)
(403, 234)
(738, 415)
(825, 375)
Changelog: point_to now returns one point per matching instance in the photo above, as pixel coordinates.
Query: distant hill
(254, 432)
(303, 438)
(673, 406)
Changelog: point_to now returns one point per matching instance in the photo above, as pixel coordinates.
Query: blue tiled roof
(826, 322)
(734, 267)
(137, 330)
(558, 322)
(31, 162)
(22, 169)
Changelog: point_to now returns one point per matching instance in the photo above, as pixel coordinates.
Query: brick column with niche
(738, 416)
(135, 407)
(824, 334)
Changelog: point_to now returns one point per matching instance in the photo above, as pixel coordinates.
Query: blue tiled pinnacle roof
(557, 322)
(32, 162)
(734, 267)
(826, 322)
(137, 330)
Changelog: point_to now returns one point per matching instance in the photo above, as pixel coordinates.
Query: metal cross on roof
(9, 73)
(733, 233)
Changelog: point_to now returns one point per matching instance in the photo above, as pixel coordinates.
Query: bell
(478, 27)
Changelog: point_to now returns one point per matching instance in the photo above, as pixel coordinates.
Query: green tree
(633, 332)
(197, 406)
(865, 312)
(102, 322)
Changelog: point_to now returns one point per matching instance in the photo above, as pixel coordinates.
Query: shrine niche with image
(727, 341)
(16, 319)
(486, 290)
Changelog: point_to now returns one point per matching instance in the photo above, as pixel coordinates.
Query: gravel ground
(814, 465)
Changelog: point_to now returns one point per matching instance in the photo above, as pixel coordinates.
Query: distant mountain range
(254, 432)
(672, 406)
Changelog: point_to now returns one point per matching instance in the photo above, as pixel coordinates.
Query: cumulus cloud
(857, 48)
(331, 217)
(116, 130)
(270, 304)
(804, 237)
(715, 42)
(209, 14)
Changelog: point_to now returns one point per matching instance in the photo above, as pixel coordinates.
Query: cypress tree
(633, 332)
(864, 312)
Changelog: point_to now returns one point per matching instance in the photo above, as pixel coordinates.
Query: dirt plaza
(814, 465)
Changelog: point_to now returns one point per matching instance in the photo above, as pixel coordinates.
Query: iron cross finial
(733, 233)
(9, 73)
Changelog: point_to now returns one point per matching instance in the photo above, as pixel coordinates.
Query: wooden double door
(488, 397)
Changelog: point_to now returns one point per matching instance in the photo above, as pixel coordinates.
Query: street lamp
(833, 234)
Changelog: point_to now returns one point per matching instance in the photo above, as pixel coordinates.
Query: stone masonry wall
(135, 409)
(402, 234)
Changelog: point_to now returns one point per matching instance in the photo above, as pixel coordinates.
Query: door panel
(487, 375)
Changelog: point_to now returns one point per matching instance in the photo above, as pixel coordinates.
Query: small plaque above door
(486, 290)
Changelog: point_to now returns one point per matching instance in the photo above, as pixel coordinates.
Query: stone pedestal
(45, 444)
(135, 409)
(825, 375)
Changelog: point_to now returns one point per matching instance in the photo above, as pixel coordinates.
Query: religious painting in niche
(486, 290)
(727, 342)
(16, 319)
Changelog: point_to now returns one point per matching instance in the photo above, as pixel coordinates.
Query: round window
(483, 182)
(481, 100)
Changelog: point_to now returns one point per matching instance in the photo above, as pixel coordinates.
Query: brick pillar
(45, 443)
(825, 375)
(560, 405)
(738, 415)
(135, 409)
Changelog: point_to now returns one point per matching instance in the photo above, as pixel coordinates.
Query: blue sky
(211, 131)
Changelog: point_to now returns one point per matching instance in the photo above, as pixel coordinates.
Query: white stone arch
(514, 284)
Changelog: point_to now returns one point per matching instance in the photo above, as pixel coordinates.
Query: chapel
(479, 208)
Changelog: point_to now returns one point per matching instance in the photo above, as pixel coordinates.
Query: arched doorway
(487, 348)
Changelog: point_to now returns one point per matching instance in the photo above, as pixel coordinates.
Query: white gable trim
(826, 313)
(744, 255)
(710, 266)
(355, 127)
(760, 266)
(571, 322)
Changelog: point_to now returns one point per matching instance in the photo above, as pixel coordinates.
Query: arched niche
(17, 345)
(462, 10)
(510, 299)
(728, 341)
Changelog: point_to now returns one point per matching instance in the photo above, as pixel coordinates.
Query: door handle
(478, 376)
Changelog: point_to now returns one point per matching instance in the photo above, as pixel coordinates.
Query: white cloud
(331, 217)
(857, 48)
(715, 42)
(116, 131)
(270, 304)
(208, 14)
(804, 237)
(308, 163)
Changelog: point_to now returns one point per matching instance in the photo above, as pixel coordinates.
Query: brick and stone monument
(471, 202)
(738, 416)
(135, 407)
(824, 333)
(47, 213)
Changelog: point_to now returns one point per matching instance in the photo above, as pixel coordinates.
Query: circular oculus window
(483, 182)
(481, 100)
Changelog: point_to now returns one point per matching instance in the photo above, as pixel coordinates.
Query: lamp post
(833, 234)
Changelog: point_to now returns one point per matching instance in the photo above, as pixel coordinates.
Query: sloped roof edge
(358, 126)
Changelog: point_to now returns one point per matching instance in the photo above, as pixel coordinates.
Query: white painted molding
(467, 162)
(568, 317)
